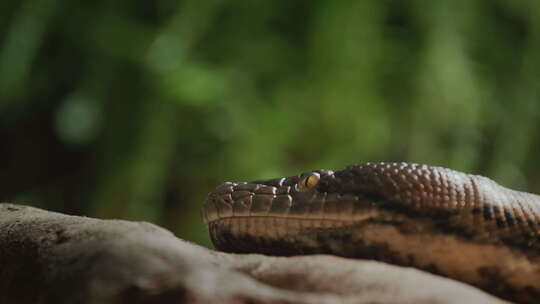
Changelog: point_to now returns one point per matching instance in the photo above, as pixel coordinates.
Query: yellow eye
(308, 181)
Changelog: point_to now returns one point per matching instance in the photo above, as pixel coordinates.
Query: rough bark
(47, 257)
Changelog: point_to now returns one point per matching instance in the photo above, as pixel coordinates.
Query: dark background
(136, 109)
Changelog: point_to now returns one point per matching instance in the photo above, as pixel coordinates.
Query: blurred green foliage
(136, 109)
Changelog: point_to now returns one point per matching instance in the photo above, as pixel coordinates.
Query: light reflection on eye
(308, 181)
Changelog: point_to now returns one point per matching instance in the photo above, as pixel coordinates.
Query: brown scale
(495, 209)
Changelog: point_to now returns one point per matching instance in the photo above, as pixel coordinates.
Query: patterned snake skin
(462, 226)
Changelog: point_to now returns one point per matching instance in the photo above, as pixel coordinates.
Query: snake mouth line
(259, 200)
(308, 222)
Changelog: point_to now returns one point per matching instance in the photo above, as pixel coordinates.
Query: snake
(462, 226)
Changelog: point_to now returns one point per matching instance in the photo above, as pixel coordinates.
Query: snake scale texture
(462, 226)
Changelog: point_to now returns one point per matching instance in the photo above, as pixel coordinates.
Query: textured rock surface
(48, 257)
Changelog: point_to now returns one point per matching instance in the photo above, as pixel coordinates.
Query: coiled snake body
(466, 227)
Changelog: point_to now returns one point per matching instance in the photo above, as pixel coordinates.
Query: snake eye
(308, 181)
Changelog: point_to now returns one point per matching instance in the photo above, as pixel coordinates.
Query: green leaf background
(137, 109)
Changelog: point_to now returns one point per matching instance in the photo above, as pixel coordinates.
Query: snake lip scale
(462, 226)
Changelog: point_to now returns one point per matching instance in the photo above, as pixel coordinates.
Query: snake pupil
(308, 181)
